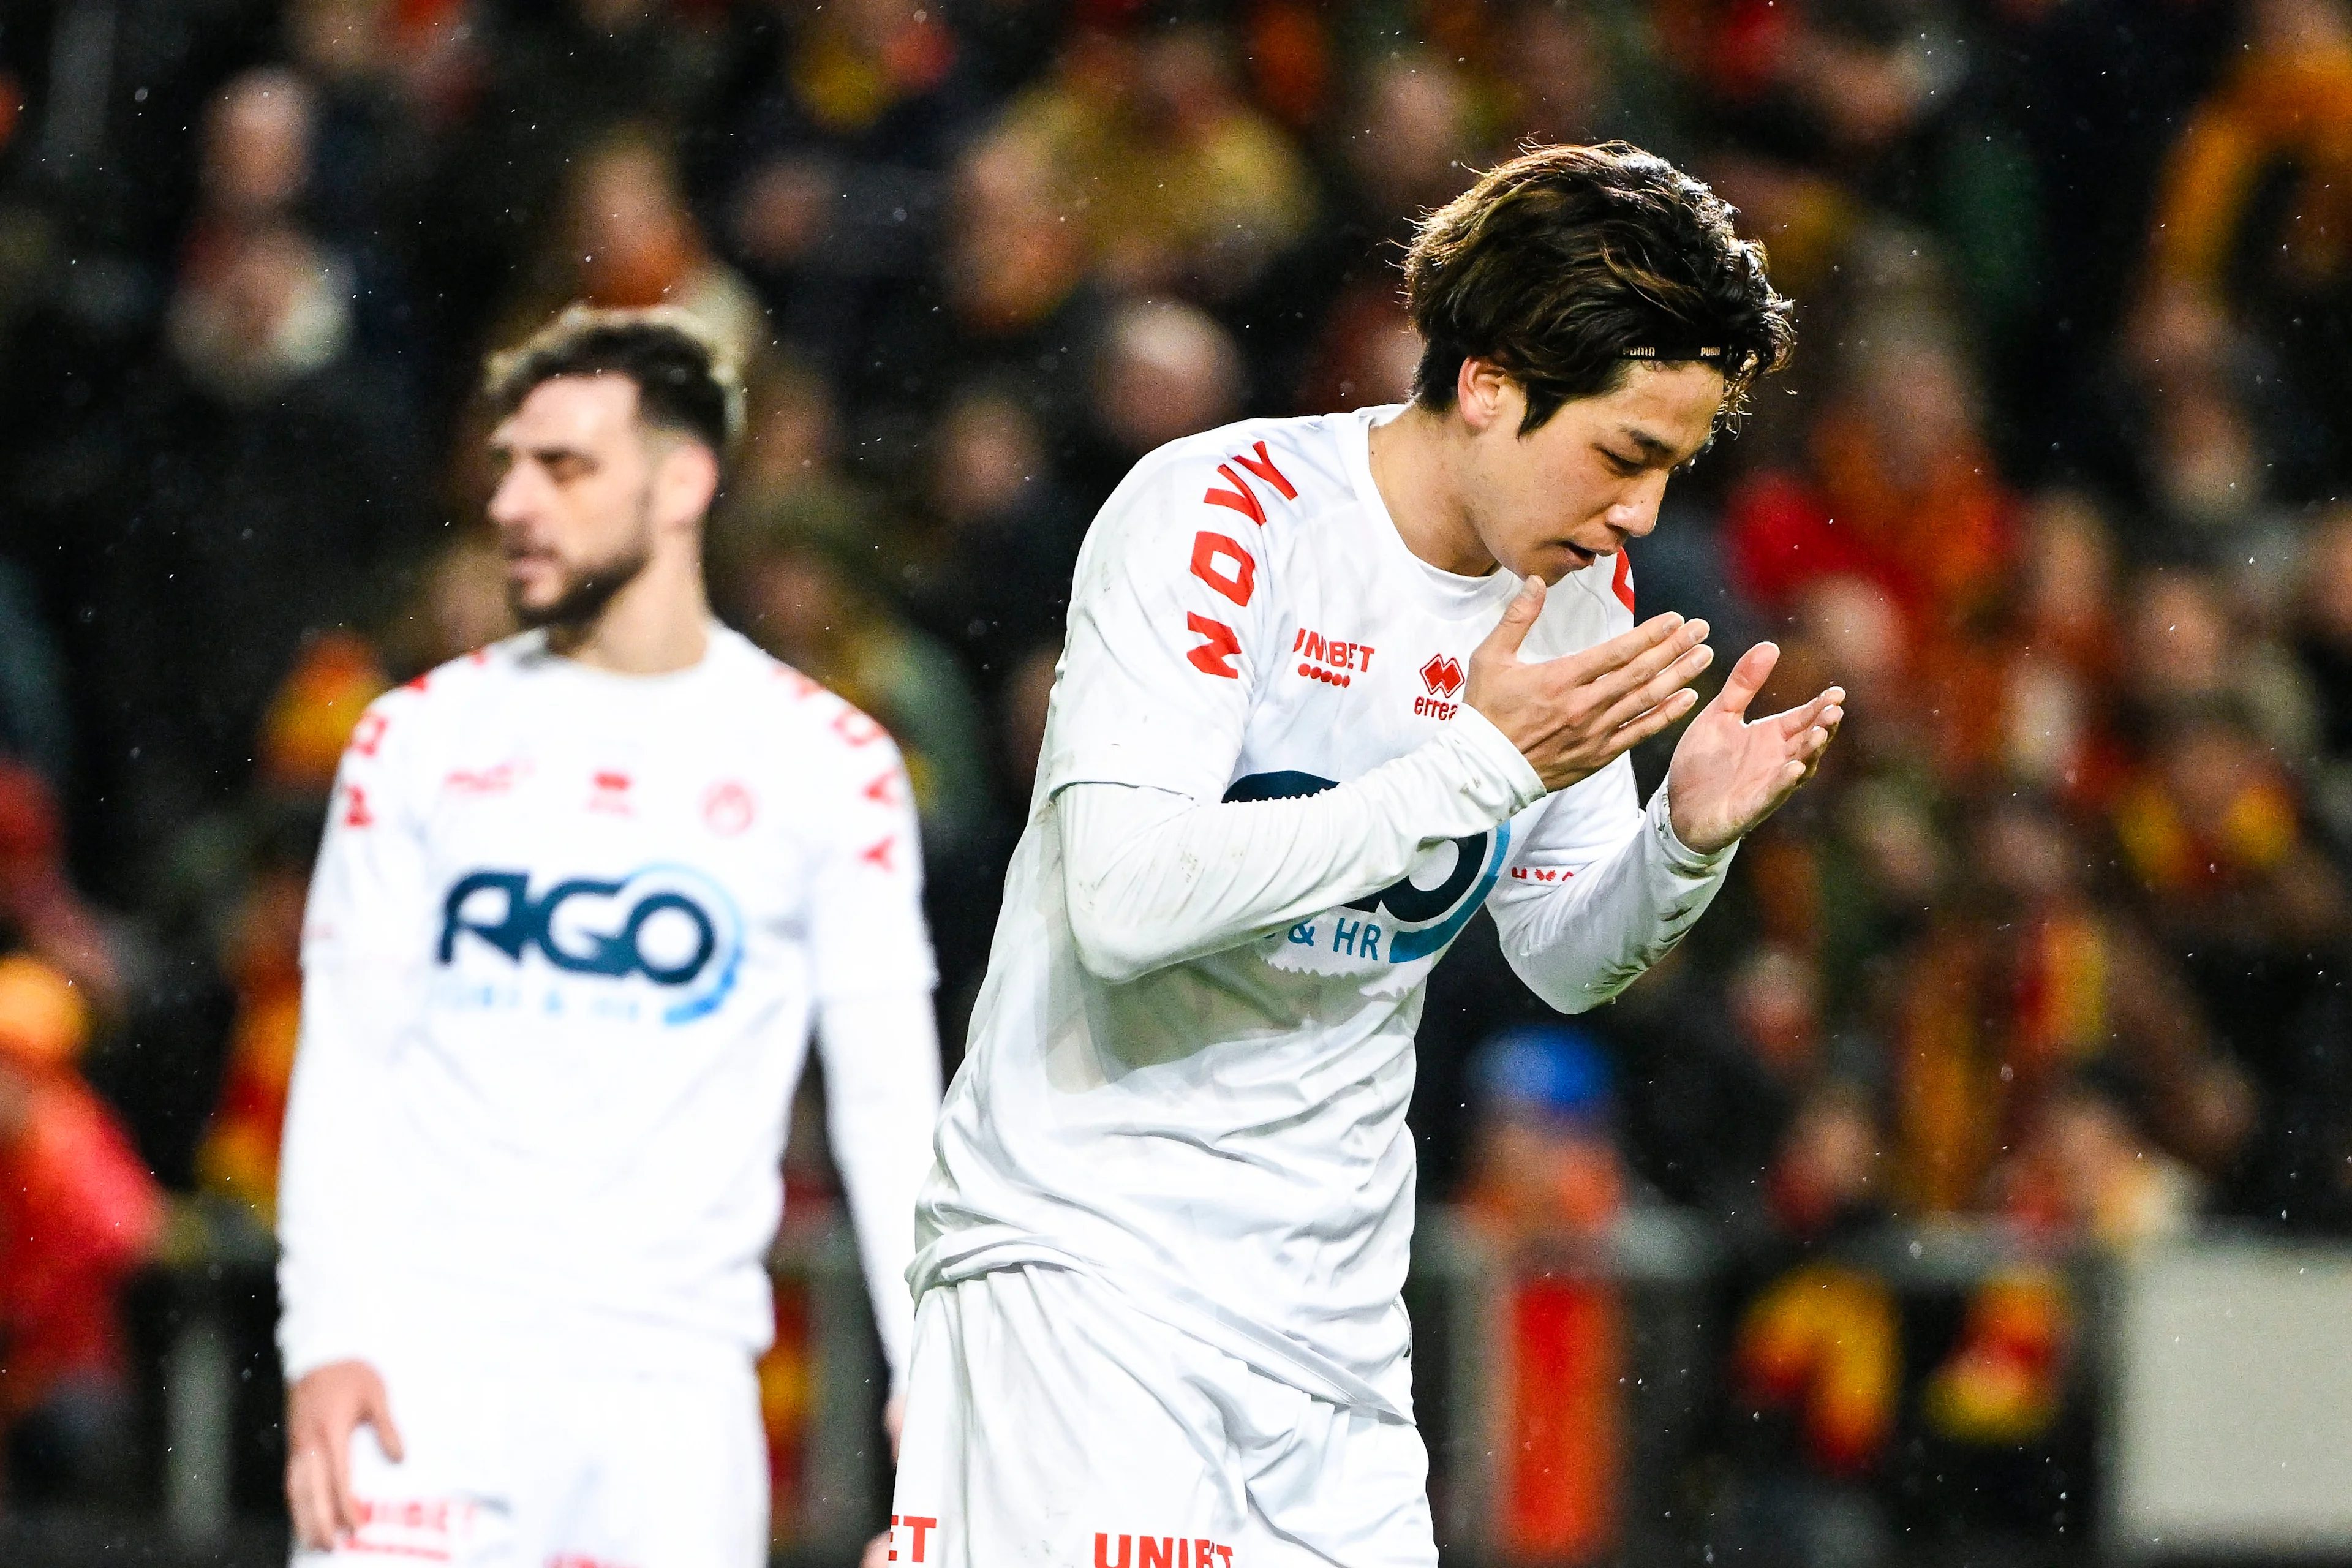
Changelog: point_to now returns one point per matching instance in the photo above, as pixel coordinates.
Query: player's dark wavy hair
(684, 381)
(1566, 265)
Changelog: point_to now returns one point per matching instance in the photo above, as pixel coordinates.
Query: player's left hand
(1729, 774)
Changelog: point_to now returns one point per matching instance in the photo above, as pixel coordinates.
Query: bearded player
(1331, 685)
(582, 896)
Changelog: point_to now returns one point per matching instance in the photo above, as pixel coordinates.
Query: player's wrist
(1688, 847)
(1486, 742)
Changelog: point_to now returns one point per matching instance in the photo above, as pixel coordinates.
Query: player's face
(574, 502)
(1590, 477)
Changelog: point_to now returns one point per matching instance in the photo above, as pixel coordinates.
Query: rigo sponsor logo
(665, 938)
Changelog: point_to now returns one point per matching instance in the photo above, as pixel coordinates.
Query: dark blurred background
(2041, 979)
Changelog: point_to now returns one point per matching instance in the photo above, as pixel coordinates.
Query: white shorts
(1050, 1424)
(547, 1469)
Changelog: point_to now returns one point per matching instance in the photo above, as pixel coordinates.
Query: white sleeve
(1153, 879)
(366, 938)
(866, 934)
(1602, 890)
(1169, 638)
(871, 957)
(882, 1098)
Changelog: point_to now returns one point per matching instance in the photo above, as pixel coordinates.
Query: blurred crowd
(2055, 489)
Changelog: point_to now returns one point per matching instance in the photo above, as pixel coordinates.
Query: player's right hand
(322, 1410)
(1570, 717)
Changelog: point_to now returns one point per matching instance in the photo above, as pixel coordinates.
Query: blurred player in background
(1331, 685)
(581, 895)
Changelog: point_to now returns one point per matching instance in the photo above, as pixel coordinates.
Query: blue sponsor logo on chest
(668, 928)
(1423, 919)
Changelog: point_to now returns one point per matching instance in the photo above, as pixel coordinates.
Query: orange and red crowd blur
(2056, 488)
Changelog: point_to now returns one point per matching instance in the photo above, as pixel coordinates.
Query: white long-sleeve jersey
(566, 939)
(1262, 814)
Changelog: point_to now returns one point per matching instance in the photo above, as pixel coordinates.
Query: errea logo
(1442, 677)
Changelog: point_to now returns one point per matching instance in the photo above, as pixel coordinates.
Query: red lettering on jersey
(420, 1528)
(1207, 550)
(418, 684)
(1262, 466)
(921, 1527)
(879, 854)
(1241, 498)
(1214, 657)
(489, 780)
(1334, 651)
(884, 790)
(368, 733)
(355, 807)
(1623, 585)
(1538, 874)
(1157, 1550)
(803, 687)
(855, 728)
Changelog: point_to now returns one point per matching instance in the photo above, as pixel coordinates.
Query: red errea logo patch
(1443, 677)
(610, 794)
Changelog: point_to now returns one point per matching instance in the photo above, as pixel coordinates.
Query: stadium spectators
(624, 240)
(2056, 488)
(36, 728)
(1548, 1186)
(79, 1213)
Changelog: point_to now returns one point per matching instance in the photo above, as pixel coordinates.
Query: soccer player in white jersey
(1331, 685)
(581, 895)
